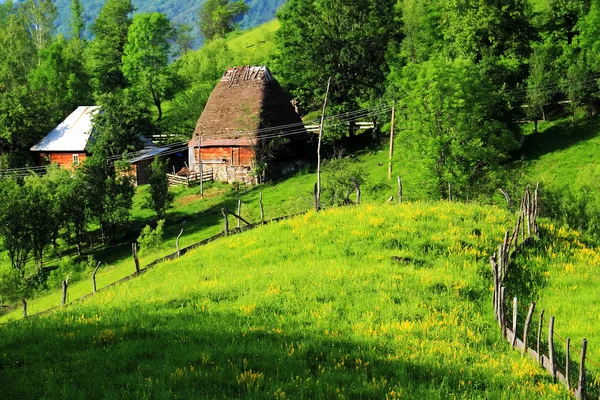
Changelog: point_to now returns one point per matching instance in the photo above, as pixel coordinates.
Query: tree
(160, 197)
(451, 125)
(342, 39)
(106, 50)
(218, 17)
(183, 39)
(77, 23)
(40, 16)
(419, 22)
(146, 55)
(15, 225)
(42, 212)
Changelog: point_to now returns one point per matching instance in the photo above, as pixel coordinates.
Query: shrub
(151, 238)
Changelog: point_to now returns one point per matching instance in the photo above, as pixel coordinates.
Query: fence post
(135, 258)
(514, 324)
(357, 187)
(551, 347)
(493, 264)
(24, 308)
(316, 191)
(262, 211)
(527, 323)
(226, 221)
(567, 361)
(539, 337)
(580, 392)
(177, 243)
(502, 314)
(94, 277)
(239, 212)
(399, 190)
(65, 286)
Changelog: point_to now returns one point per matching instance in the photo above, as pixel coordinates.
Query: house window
(76, 159)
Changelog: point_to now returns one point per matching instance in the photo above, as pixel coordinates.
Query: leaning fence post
(567, 361)
(24, 308)
(226, 221)
(262, 211)
(526, 329)
(65, 285)
(135, 258)
(551, 347)
(239, 212)
(399, 190)
(580, 393)
(94, 277)
(539, 337)
(177, 243)
(514, 324)
(357, 187)
(502, 314)
(493, 263)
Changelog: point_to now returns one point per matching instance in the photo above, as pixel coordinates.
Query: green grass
(376, 301)
(254, 46)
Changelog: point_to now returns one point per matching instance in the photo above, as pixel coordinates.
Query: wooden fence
(174, 180)
(519, 333)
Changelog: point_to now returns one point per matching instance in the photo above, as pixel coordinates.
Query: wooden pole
(506, 196)
(226, 228)
(527, 323)
(135, 258)
(502, 313)
(262, 211)
(539, 337)
(201, 167)
(514, 324)
(239, 211)
(24, 308)
(65, 285)
(238, 217)
(177, 243)
(580, 393)
(318, 187)
(399, 190)
(494, 273)
(357, 187)
(551, 347)
(94, 277)
(567, 362)
(391, 141)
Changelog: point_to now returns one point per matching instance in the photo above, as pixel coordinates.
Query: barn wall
(229, 163)
(65, 159)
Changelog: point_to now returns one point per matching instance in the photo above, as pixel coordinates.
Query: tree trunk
(535, 123)
(157, 103)
(543, 114)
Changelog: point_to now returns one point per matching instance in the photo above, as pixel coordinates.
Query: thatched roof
(245, 100)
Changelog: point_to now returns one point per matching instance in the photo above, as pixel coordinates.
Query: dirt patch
(208, 194)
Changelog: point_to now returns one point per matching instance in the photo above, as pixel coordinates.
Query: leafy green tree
(42, 212)
(160, 198)
(146, 55)
(451, 126)
(123, 117)
(106, 50)
(341, 39)
(77, 23)
(183, 39)
(18, 49)
(419, 25)
(218, 17)
(15, 225)
(542, 71)
(39, 16)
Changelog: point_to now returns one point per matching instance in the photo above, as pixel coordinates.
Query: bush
(338, 174)
(151, 238)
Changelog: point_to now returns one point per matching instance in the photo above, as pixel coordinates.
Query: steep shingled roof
(245, 99)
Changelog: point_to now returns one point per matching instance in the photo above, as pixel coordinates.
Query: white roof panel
(70, 135)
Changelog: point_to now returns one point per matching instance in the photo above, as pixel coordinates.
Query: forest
(463, 76)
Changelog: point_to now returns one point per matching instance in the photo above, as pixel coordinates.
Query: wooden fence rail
(527, 229)
(174, 180)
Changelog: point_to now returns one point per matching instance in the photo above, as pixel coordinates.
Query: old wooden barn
(247, 106)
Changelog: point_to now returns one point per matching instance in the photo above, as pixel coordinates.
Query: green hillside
(359, 302)
(179, 12)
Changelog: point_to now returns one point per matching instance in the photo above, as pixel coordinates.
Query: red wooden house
(246, 104)
(66, 144)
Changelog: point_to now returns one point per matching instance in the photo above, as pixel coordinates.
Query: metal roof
(70, 135)
(149, 153)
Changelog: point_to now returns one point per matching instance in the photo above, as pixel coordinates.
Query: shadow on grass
(558, 137)
(180, 351)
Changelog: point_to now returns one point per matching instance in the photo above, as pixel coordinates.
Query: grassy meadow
(373, 301)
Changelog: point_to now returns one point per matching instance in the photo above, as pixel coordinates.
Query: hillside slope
(360, 302)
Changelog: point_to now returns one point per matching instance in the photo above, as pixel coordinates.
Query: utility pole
(391, 141)
(318, 191)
